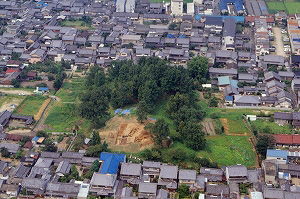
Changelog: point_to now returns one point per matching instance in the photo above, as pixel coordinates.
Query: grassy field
(31, 105)
(290, 7)
(70, 90)
(274, 128)
(77, 24)
(237, 126)
(275, 5)
(229, 150)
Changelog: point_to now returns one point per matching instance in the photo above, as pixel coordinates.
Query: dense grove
(145, 83)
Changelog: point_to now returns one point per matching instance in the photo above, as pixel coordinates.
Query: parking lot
(278, 43)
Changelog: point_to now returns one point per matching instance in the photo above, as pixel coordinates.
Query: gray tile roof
(103, 179)
(33, 183)
(168, 171)
(149, 188)
(237, 171)
(185, 174)
(131, 169)
(63, 167)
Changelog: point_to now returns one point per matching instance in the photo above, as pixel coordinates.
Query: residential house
(34, 185)
(282, 118)
(63, 168)
(147, 190)
(37, 55)
(286, 75)
(280, 156)
(135, 39)
(295, 85)
(62, 190)
(216, 72)
(216, 190)
(151, 168)
(236, 174)
(12, 148)
(287, 140)
(247, 100)
(168, 176)
(110, 162)
(103, 184)
(187, 177)
(131, 172)
(229, 31)
(285, 100)
(270, 172)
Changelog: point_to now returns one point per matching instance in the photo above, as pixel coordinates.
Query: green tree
(264, 142)
(142, 111)
(94, 151)
(94, 106)
(15, 56)
(4, 152)
(194, 136)
(159, 131)
(177, 154)
(198, 68)
(16, 83)
(96, 138)
(58, 83)
(173, 26)
(184, 191)
(213, 102)
(50, 146)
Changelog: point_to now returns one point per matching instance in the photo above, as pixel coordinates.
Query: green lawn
(275, 5)
(229, 150)
(70, 90)
(61, 117)
(77, 24)
(31, 105)
(292, 7)
(275, 128)
(237, 126)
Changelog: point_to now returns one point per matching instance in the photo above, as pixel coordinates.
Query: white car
(283, 31)
(287, 46)
(22, 94)
(287, 50)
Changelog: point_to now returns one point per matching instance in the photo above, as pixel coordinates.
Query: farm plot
(229, 150)
(9, 102)
(275, 5)
(265, 126)
(292, 7)
(31, 105)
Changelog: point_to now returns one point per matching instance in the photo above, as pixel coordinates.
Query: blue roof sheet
(111, 162)
(35, 138)
(229, 98)
(277, 153)
(43, 89)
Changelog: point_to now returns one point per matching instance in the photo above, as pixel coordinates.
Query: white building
(177, 7)
(130, 6)
(120, 5)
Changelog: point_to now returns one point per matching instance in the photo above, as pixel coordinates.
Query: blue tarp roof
(277, 153)
(182, 36)
(35, 138)
(118, 111)
(170, 36)
(229, 98)
(238, 5)
(239, 19)
(111, 162)
(43, 89)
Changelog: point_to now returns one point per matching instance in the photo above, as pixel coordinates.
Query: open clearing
(229, 150)
(7, 102)
(126, 134)
(77, 24)
(31, 105)
(290, 7)
(265, 126)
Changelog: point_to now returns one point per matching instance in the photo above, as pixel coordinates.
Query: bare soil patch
(126, 134)
(7, 105)
(62, 145)
(208, 126)
(225, 125)
(33, 84)
(39, 114)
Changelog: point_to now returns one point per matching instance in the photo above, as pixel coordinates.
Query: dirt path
(278, 41)
(44, 105)
(15, 92)
(40, 125)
